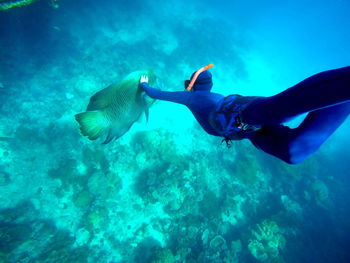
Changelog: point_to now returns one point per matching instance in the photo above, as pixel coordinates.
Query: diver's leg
(318, 91)
(274, 140)
(295, 145)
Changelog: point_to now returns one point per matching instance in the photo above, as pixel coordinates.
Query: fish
(8, 4)
(6, 139)
(113, 110)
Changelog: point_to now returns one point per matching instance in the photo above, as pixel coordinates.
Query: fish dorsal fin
(102, 99)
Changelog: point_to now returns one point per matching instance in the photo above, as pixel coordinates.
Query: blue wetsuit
(200, 103)
(324, 96)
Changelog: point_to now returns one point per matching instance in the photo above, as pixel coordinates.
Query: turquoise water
(166, 191)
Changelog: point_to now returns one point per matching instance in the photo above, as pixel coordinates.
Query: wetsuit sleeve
(181, 97)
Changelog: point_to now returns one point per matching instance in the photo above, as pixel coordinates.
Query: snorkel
(195, 76)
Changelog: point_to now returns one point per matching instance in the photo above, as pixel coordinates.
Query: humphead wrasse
(113, 110)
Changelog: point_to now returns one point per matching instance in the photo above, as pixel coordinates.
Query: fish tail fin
(93, 124)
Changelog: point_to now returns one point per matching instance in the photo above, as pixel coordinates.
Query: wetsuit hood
(203, 82)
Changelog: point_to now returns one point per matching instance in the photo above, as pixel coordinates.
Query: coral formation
(163, 256)
(165, 191)
(4, 178)
(267, 242)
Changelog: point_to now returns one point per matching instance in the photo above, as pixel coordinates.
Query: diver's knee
(297, 152)
(296, 159)
(292, 158)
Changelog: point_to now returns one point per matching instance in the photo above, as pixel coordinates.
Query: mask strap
(197, 74)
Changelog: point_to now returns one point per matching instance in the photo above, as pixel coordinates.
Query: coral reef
(163, 256)
(4, 178)
(267, 242)
(165, 191)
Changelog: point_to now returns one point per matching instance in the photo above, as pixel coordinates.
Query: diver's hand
(144, 78)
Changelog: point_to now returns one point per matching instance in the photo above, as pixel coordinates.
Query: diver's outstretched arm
(322, 90)
(295, 145)
(181, 97)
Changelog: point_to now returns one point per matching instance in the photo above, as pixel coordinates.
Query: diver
(324, 96)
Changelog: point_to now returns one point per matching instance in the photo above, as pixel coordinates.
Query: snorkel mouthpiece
(195, 76)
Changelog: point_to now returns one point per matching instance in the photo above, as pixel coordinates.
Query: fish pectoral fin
(116, 132)
(145, 105)
(147, 113)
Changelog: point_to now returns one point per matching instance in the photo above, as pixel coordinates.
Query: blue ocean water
(165, 191)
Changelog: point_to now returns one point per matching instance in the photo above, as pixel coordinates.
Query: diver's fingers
(144, 78)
